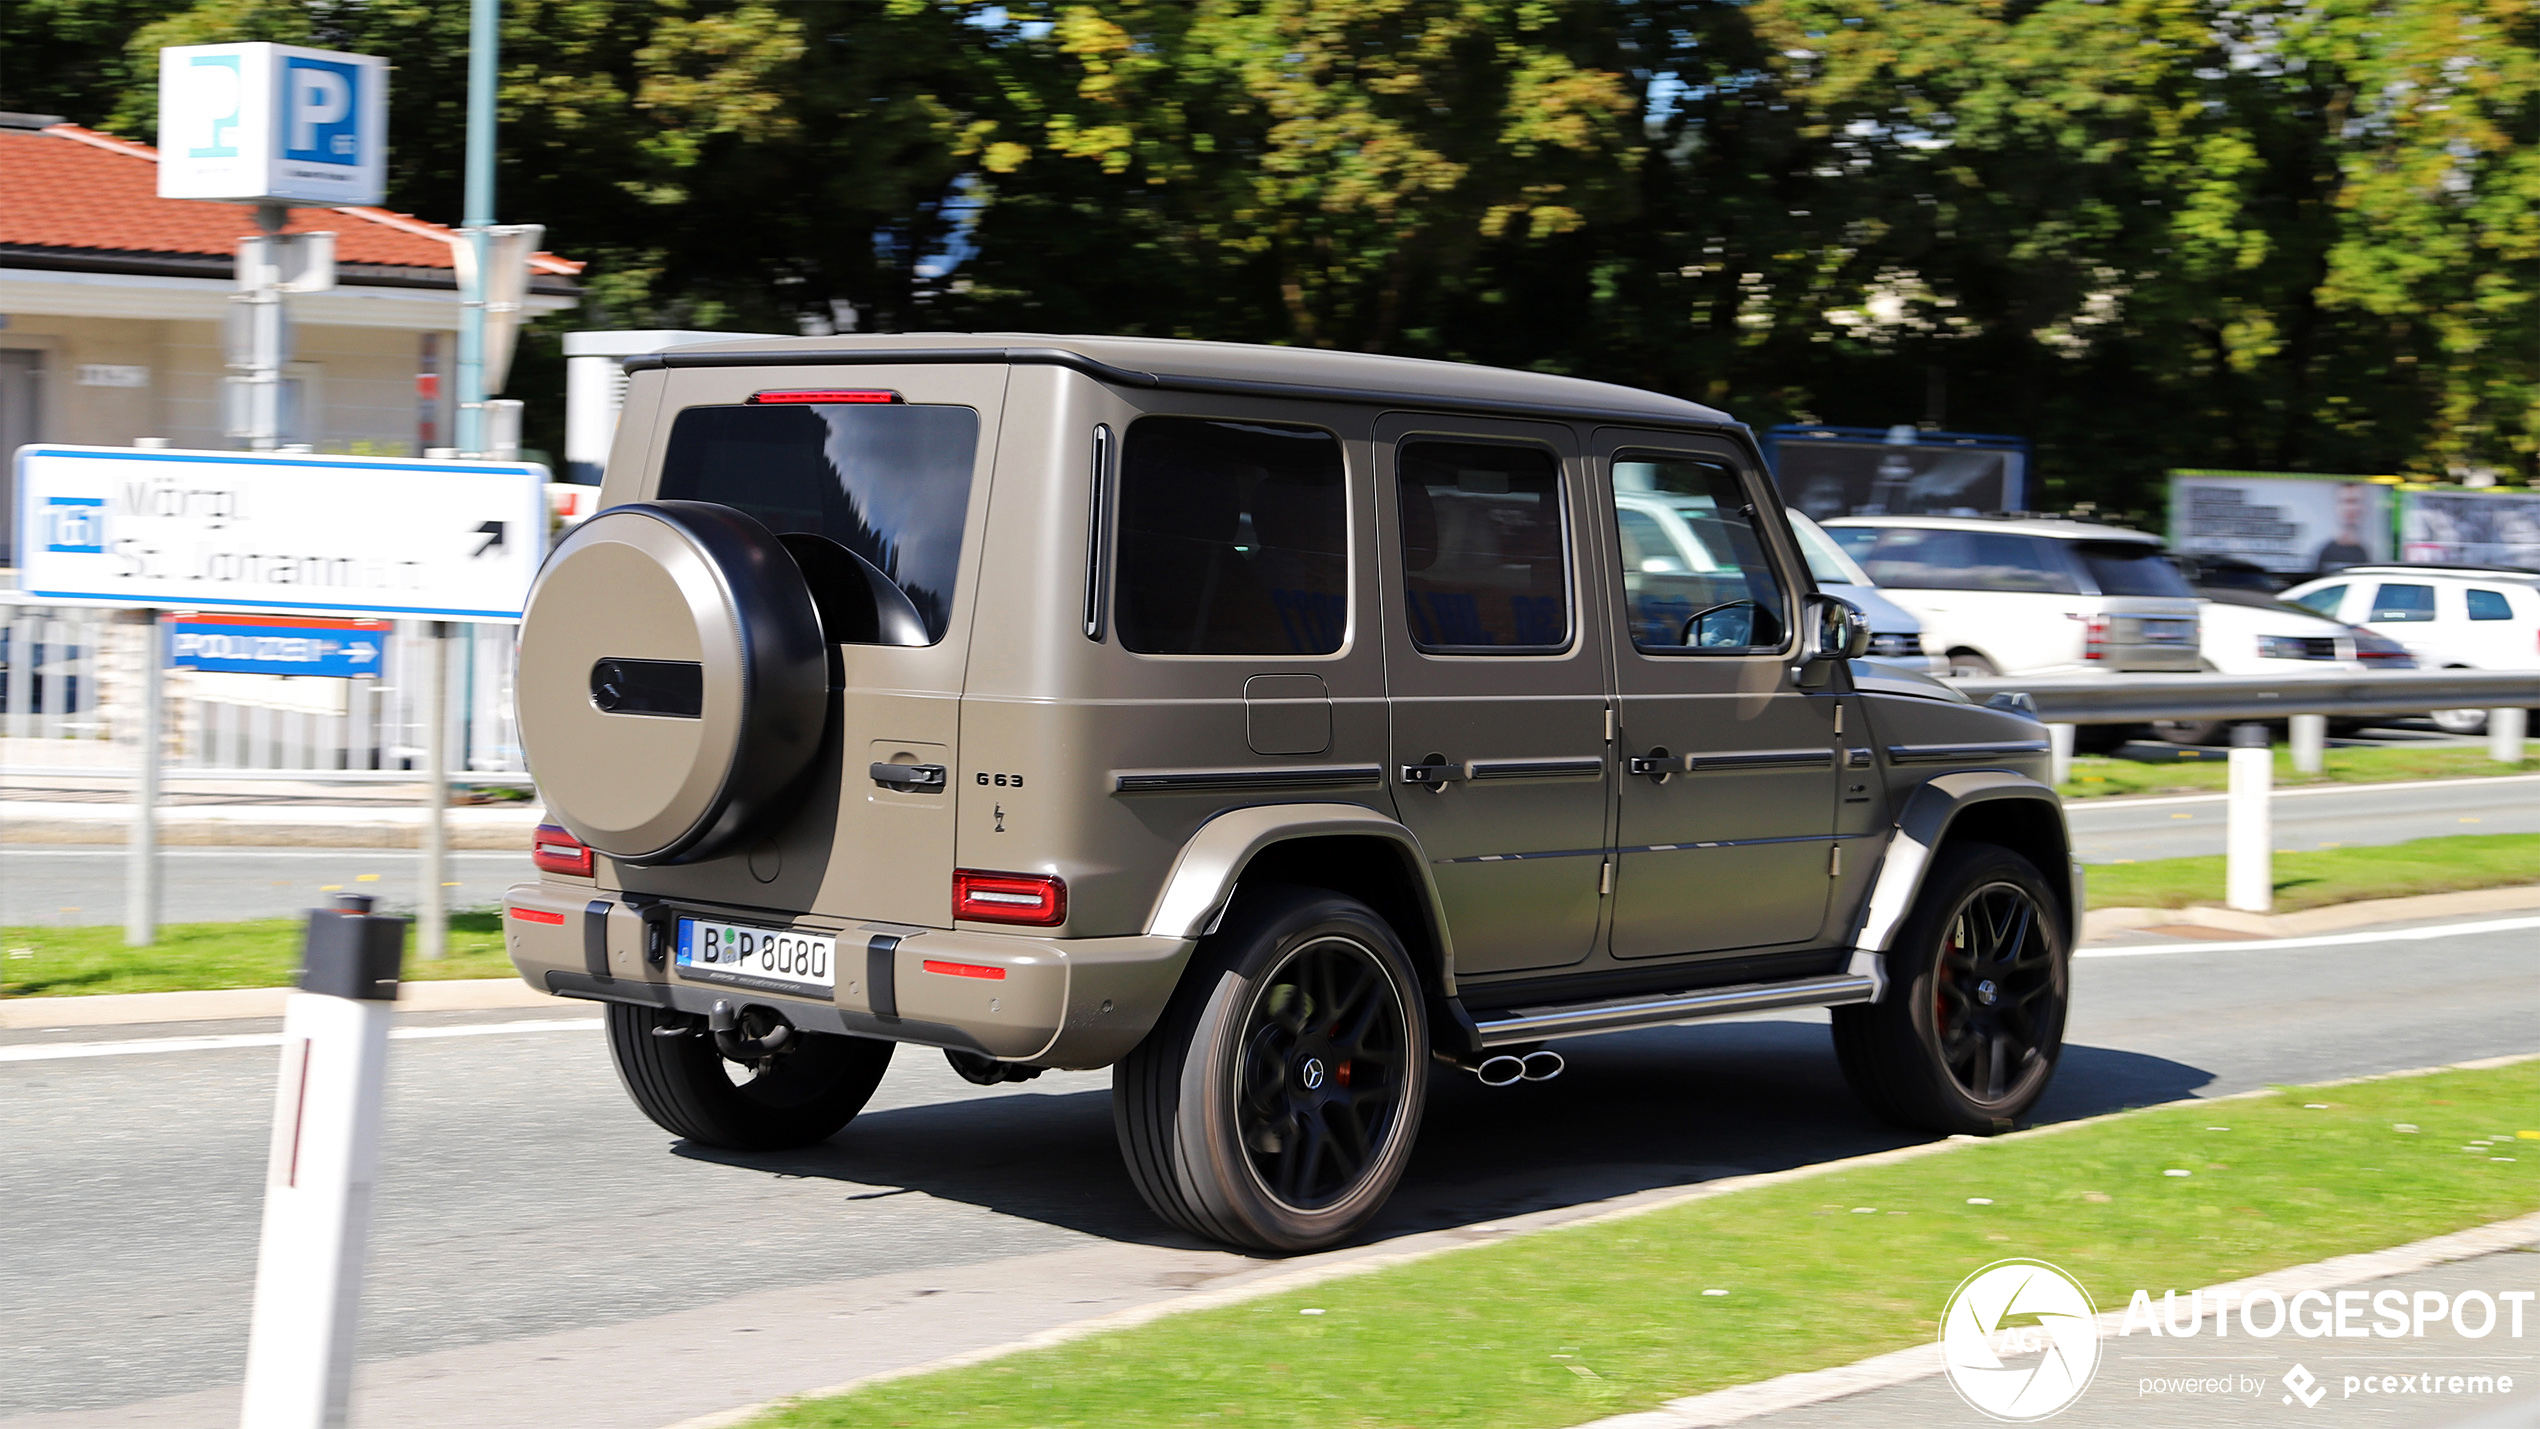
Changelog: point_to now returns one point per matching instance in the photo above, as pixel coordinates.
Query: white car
(2029, 596)
(1664, 535)
(1896, 636)
(2448, 617)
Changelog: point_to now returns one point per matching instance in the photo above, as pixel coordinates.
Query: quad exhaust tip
(1505, 1070)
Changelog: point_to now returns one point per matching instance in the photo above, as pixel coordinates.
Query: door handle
(1656, 762)
(1433, 773)
(910, 778)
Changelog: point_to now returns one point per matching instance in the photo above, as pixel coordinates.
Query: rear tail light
(555, 851)
(2094, 637)
(848, 395)
(1036, 899)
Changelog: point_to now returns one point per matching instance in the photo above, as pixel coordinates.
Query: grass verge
(1569, 1325)
(2316, 878)
(261, 952)
(2201, 771)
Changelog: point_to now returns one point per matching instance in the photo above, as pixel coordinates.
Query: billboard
(272, 123)
(275, 531)
(2470, 528)
(1896, 471)
(2291, 525)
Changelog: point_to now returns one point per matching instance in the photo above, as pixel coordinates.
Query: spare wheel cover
(673, 679)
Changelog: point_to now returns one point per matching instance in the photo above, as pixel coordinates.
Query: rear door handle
(910, 778)
(1436, 774)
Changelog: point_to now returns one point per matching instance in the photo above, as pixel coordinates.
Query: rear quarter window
(1234, 539)
(2490, 605)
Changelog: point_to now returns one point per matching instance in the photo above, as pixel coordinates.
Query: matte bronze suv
(1277, 728)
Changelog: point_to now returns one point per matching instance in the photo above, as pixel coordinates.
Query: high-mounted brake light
(823, 394)
(1036, 899)
(554, 850)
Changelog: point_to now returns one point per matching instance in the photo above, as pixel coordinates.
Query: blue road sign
(264, 645)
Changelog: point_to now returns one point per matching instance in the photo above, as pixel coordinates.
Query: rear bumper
(1071, 1002)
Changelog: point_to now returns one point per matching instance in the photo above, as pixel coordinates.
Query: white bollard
(2248, 842)
(319, 1171)
(2310, 743)
(432, 935)
(2059, 754)
(141, 855)
(2505, 729)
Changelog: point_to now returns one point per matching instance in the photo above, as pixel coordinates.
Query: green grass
(1819, 1272)
(2168, 770)
(264, 952)
(2316, 878)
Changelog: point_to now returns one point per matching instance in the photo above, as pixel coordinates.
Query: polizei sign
(381, 536)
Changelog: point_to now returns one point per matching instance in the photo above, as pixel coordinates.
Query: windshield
(888, 481)
(2131, 568)
(1826, 560)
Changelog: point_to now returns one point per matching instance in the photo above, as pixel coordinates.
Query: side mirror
(1832, 630)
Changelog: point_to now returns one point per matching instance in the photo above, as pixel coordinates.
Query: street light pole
(484, 53)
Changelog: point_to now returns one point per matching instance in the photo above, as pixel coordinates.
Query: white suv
(2449, 617)
(2029, 596)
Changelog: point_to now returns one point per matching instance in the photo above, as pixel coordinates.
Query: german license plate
(2169, 632)
(768, 959)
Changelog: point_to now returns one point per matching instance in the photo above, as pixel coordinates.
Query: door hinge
(1605, 879)
(1834, 865)
(1609, 724)
(1838, 719)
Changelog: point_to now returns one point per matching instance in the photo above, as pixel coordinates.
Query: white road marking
(141, 1045)
(2325, 940)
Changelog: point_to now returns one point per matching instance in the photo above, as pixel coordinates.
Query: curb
(1436, 1243)
(2363, 912)
(228, 1003)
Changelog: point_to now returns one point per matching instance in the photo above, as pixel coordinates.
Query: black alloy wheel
(1979, 983)
(1994, 995)
(1320, 1085)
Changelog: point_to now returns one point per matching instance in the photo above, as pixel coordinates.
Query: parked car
(1278, 728)
(2246, 628)
(2447, 617)
(1896, 635)
(1663, 535)
(2029, 595)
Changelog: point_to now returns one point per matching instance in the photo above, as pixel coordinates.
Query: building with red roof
(112, 300)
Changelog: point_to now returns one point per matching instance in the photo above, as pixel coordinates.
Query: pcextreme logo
(2020, 1339)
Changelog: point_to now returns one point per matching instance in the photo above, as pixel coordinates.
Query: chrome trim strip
(1192, 781)
(1521, 857)
(1950, 753)
(1534, 768)
(1625, 1013)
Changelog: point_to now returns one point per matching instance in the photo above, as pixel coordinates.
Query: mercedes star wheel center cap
(1311, 1073)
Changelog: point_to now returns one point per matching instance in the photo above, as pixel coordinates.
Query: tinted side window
(890, 483)
(1484, 548)
(2403, 603)
(2490, 605)
(2323, 601)
(1696, 571)
(1913, 559)
(2131, 568)
(1234, 539)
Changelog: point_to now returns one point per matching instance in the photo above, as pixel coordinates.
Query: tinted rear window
(2131, 568)
(2489, 605)
(889, 483)
(1483, 540)
(1910, 558)
(1234, 539)
(2403, 603)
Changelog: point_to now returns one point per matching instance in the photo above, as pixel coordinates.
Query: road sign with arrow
(277, 645)
(280, 532)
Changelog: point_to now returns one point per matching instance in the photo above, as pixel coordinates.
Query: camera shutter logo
(2020, 1339)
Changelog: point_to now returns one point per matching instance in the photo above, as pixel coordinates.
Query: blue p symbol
(320, 118)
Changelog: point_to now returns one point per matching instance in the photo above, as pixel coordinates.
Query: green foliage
(2330, 874)
(189, 957)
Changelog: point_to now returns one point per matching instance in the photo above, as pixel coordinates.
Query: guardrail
(2305, 702)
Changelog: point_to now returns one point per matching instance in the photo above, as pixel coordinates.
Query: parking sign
(273, 124)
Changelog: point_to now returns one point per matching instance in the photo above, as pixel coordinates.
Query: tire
(1968, 665)
(1242, 1116)
(1933, 1054)
(2467, 723)
(798, 1097)
(2206, 732)
(2102, 738)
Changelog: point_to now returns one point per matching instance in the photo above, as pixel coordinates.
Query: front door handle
(910, 778)
(1433, 772)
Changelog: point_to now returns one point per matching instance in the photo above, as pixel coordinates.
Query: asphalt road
(527, 1214)
(86, 885)
(2176, 826)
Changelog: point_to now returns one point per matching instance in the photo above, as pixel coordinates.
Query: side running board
(1577, 1019)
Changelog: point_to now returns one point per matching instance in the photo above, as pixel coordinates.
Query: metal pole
(432, 930)
(141, 856)
(2248, 841)
(484, 53)
(2505, 729)
(2059, 754)
(2310, 743)
(321, 1169)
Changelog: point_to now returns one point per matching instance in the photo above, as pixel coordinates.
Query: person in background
(2348, 549)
